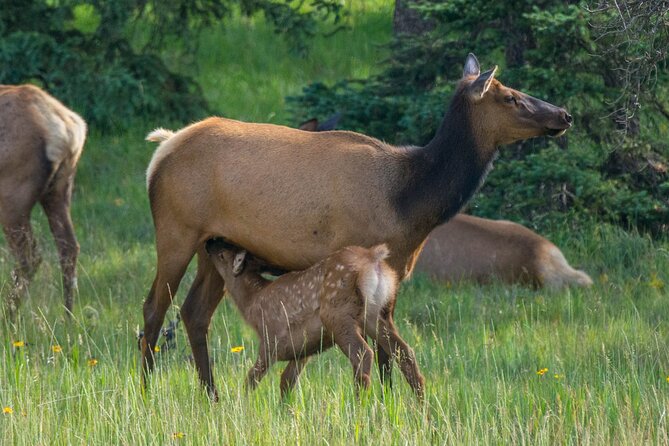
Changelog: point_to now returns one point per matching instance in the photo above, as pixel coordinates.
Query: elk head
(501, 115)
(233, 257)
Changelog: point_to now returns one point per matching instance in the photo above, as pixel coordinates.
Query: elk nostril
(568, 118)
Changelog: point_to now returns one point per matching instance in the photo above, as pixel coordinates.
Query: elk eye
(509, 99)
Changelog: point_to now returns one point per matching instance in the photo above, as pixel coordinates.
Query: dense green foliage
(616, 166)
(97, 57)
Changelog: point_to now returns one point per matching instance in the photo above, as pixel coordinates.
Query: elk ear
(482, 83)
(310, 125)
(238, 263)
(472, 67)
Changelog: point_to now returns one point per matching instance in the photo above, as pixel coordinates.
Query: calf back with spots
(293, 309)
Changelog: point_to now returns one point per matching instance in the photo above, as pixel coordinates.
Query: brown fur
(293, 197)
(40, 144)
(482, 250)
(336, 301)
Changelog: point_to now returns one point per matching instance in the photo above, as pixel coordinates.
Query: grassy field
(502, 364)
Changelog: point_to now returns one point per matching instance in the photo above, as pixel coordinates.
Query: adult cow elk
(41, 141)
(483, 250)
(293, 197)
(468, 248)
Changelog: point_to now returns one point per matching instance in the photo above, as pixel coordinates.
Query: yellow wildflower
(156, 349)
(18, 344)
(56, 348)
(237, 349)
(542, 372)
(668, 379)
(7, 410)
(656, 282)
(92, 362)
(178, 435)
(558, 376)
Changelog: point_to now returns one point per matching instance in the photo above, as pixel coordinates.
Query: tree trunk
(409, 21)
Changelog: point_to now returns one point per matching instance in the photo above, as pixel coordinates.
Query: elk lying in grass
(40, 143)
(482, 250)
(338, 300)
(293, 197)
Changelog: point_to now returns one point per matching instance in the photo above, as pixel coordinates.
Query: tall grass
(480, 348)
(247, 70)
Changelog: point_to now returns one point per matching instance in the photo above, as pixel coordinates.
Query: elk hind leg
(348, 337)
(258, 371)
(291, 374)
(385, 363)
(23, 247)
(173, 254)
(56, 205)
(390, 340)
(203, 297)
(15, 220)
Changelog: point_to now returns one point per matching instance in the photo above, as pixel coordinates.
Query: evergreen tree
(563, 51)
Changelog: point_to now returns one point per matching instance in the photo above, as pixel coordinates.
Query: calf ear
(238, 263)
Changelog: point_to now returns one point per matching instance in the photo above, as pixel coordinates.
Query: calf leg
(348, 337)
(203, 297)
(259, 369)
(385, 364)
(291, 374)
(56, 205)
(390, 340)
(384, 357)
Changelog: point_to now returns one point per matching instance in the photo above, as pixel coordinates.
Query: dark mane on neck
(442, 176)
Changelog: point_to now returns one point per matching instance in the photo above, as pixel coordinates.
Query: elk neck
(442, 176)
(244, 287)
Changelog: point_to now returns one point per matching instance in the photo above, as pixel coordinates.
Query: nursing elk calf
(293, 197)
(339, 300)
(40, 143)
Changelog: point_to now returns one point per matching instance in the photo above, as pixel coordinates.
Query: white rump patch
(65, 131)
(377, 285)
(556, 272)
